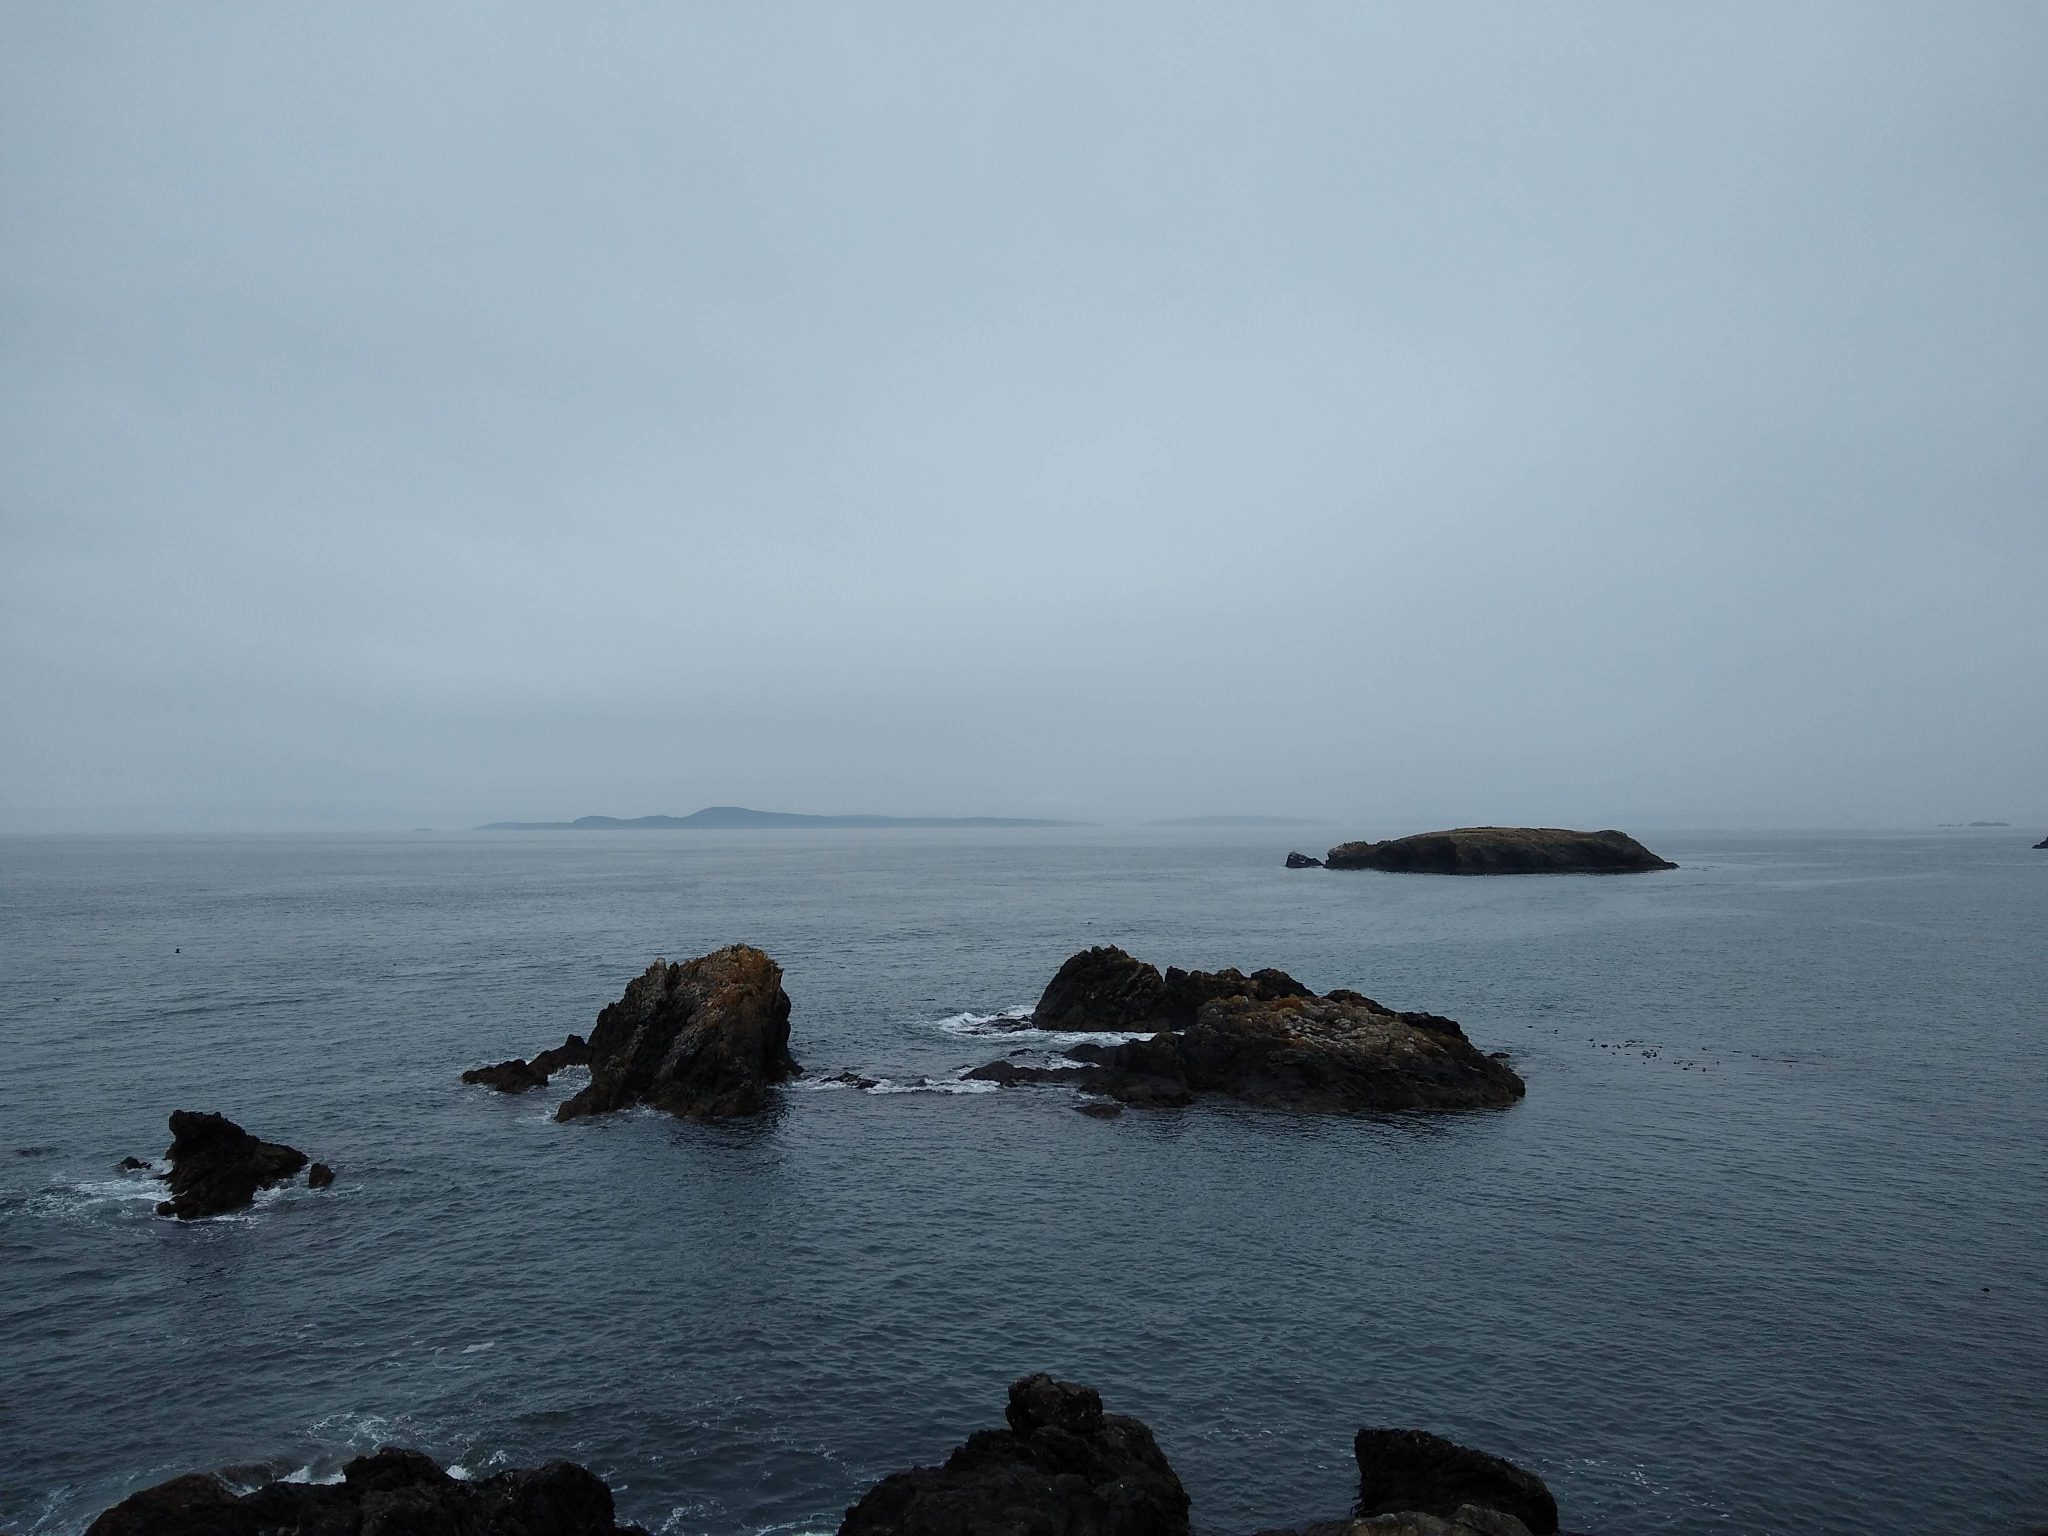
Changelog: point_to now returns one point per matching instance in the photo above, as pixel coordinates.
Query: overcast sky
(1414, 415)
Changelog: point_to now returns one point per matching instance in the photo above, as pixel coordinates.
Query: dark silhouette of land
(724, 817)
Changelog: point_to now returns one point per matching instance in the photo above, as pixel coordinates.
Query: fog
(1592, 415)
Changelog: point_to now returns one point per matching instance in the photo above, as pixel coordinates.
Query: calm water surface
(1763, 1251)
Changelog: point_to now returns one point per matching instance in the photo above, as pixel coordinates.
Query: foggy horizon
(1400, 419)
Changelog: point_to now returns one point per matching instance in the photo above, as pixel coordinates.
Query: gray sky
(1411, 414)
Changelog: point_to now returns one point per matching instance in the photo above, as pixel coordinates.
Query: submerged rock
(1063, 1467)
(1303, 861)
(520, 1075)
(217, 1166)
(706, 1039)
(394, 1491)
(1502, 851)
(1413, 1470)
(131, 1165)
(1264, 1039)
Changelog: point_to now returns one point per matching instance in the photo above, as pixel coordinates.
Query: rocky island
(217, 1167)
(1261, 1039)
(705, 1039)
(1501, 851)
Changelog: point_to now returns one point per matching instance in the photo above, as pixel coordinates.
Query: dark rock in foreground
(1468, 1520)
(1303, 861)
(393, 1493)
(1502, 851)
(519, 1075)
(1263, 1039)
(1062, 1468)
(217, 1166)
(706, 1039)
(1410, 1469)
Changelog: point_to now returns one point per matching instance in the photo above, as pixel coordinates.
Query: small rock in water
(319, 1176)
(217, 1166)
(1303, 861)
(1096, 1109)
(130, 1165)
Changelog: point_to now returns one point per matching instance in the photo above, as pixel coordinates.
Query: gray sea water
(1762, 1251)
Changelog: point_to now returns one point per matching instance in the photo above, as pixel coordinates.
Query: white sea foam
(306, 1474)
(935, 1085)
(1014, 1024)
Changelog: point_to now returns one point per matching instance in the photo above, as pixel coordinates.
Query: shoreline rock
(1501, 851)
(521, 1076)
(1063, 1467)
(1412, 1470)
(393, 1490)
(1060, 1466)
(1303, 861)
(217, 1167)
(2043, 843)
(705, 1039)
(1262, 1039)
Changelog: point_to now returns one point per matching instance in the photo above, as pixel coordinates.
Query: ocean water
(1764, 1250)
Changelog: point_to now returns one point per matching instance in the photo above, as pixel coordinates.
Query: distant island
(718, 818)
(1496, 851)
(1238, 821)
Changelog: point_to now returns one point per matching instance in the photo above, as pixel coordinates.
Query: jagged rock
(519, 1075)
(131, 1165)
(1402, 1470)
(1264, 1039)
(1105, 989)
(1303, 861)
(392, 1493)
(1062, 1468)
(1501, 851)
(704, 1039)
(319, 1176)
(217, 1166)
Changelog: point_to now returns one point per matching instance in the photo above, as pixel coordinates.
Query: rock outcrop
(706, 1039)
(2043, 843)
(1501, 851)
(1263, 1039)
(392, 1492)
(1303, 861)
(217, 1166)
(1413, 1470)
(1104, 989)
(520, 1075)
(1063, 1467)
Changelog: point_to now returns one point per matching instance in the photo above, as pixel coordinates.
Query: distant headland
(718, 818)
